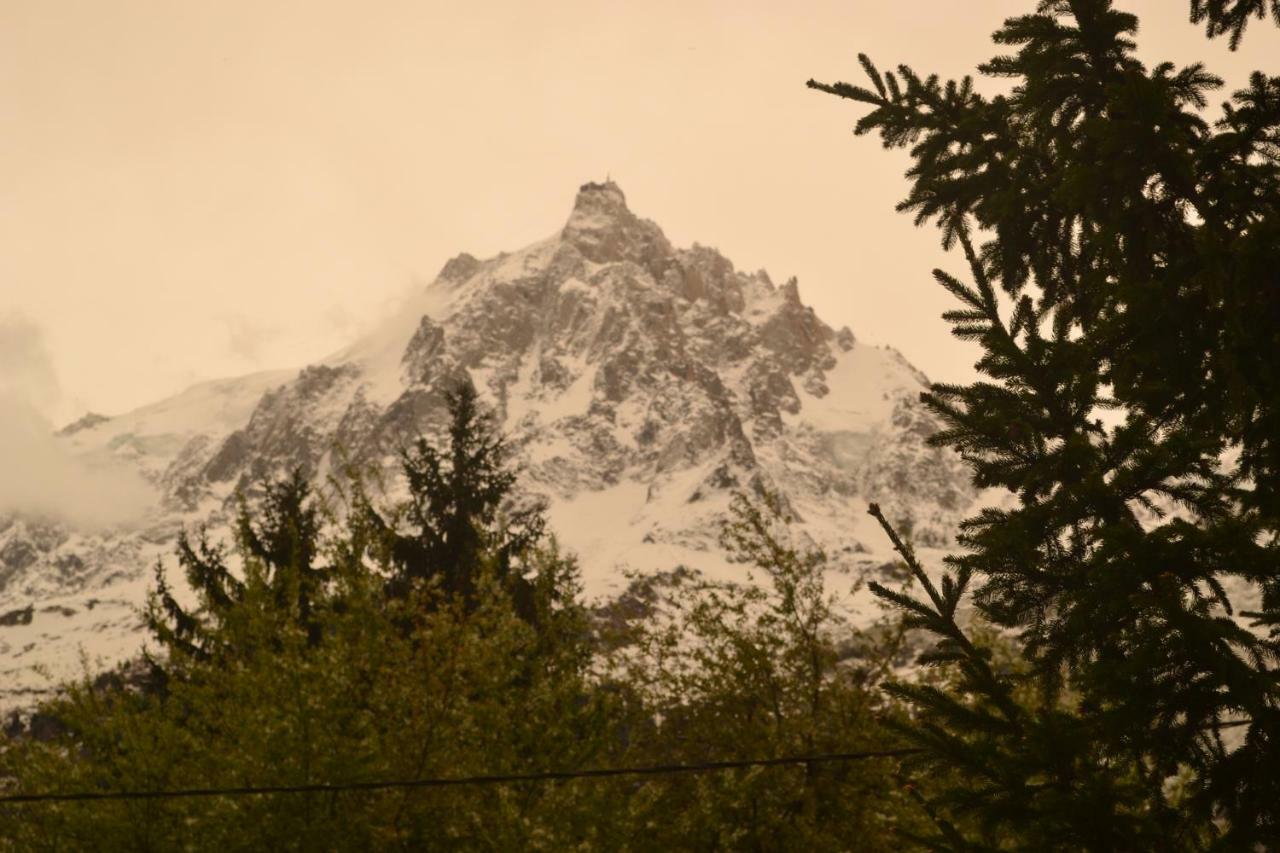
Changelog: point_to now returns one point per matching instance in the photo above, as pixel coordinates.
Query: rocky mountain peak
(459, 268)
(639, 384)
(604, 229)
(604, 200)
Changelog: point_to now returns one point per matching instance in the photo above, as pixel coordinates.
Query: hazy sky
(191, 188)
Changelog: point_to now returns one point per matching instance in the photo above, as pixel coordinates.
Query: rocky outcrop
(18, 617)
(292, 427)
(89, 421)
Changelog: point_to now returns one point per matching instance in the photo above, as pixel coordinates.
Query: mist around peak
(39, 476)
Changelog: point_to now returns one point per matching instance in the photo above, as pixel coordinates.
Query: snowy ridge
(640, 384)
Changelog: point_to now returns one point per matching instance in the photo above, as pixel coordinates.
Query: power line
(454, 781)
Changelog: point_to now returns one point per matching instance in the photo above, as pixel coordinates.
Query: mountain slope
(640, 383)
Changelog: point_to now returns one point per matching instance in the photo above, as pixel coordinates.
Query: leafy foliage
(762, 671)
(371, 682)
(468, 690)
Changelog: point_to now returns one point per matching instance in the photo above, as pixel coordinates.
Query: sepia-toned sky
(190, 189)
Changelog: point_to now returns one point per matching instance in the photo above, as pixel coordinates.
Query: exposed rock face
(17, 555)
(291, 427)
(17, 617)
(640, 383)
(89, 421)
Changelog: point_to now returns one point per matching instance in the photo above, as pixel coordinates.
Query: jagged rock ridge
(641, 384)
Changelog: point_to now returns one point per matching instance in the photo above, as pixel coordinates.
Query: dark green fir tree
(460, 517)
(1230, 17)
(1121, 257)
(278, 543)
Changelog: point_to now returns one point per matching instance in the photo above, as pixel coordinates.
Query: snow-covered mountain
(641, 383)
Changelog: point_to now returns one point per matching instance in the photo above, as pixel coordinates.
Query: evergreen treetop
(278, 542)
(459, 513)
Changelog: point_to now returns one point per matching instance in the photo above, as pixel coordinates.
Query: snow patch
(862, 388)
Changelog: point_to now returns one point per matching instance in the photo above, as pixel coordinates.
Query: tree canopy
(415, 653)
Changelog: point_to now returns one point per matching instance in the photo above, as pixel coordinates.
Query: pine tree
(1222, 17)
(459, 516)
(278, 542)
(464, 692)
(1122, 254)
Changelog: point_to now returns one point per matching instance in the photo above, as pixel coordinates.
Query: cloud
(247, 339)
(26, 371)
(38, 475)
(338, 319)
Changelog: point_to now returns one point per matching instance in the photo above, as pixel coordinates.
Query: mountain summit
(641, 385)
(604, 230)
